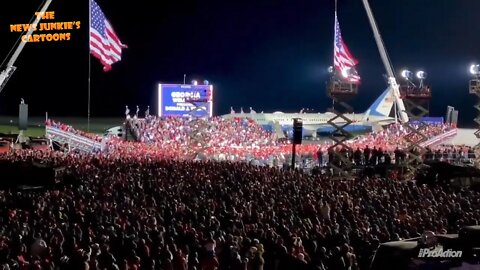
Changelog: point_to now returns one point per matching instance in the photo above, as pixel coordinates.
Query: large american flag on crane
(343, 60)
(104, 42)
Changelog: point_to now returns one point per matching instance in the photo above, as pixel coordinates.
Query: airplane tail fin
(382, 105)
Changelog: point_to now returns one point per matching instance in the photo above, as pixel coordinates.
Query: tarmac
(465, 136)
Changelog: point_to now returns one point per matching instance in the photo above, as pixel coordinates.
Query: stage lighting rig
(474, 86)
(412, 90)
(474, 89)
(341, 88)
(407, 74)
(416, 98)
(421, 75)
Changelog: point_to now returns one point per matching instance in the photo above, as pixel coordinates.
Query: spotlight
(407, 74)
(475, 69)
(194, 82)
(205, 82)
(346, 72)
(422, 75)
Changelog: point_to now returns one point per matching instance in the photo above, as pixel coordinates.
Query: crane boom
(392, 81)
(10, 68)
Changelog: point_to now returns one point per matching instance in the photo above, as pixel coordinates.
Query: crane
(392, 81)
(10, 68)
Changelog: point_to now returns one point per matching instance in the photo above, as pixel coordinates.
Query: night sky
(268, 54)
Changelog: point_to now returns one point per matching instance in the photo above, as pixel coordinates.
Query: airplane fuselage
(378, 114)
(312, 119)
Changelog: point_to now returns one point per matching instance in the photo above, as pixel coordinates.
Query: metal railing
(73, 140)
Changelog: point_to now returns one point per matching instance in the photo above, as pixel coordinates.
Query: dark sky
(268, 54)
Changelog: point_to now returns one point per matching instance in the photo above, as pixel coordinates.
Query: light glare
(422, 75)
(475, 69)
(407, 74)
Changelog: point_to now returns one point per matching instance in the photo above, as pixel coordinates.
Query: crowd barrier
(74, 141)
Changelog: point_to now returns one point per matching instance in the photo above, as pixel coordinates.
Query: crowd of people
(243, 139)
(215, 131)
(398, 136)
(71, 129)
(175, 199)
(120, 212)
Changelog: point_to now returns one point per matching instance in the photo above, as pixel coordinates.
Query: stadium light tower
(416, 98)
(474, 89)
(475, 82)
(341, 88)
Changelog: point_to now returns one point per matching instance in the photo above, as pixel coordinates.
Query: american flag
(343, 60)
(104, 43)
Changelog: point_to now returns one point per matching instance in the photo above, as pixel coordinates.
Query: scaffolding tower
(474, 89)
(417, 100)
(341, 93)
(199, 125)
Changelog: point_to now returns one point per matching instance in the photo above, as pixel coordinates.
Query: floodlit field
(31, 132)
(9, 125)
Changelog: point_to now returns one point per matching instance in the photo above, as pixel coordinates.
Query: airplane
(378, 114)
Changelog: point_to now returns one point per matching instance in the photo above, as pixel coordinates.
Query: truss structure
(341, 93)
(417, 101)
(474, 89)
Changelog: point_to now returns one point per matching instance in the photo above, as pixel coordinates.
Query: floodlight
(205, 82)
(194, 82)
(422, 75)
(330, 69)
(346, 72)
(475, 69)
(407, 74)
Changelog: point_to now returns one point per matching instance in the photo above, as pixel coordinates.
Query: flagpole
(334, 36)
(89, 62)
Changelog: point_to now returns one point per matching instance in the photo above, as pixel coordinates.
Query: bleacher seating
(74, 141)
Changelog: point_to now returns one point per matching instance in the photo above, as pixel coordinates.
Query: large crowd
(146, 213)
(182, 135)
(154, 204)
(69, 128)
(243, 139)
